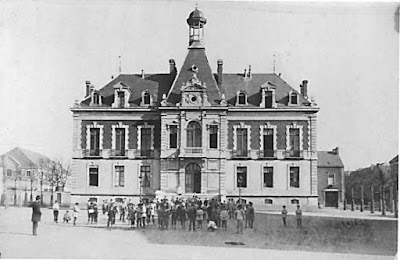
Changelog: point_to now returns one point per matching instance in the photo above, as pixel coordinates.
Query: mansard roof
(155, 84)
(329, 159)
(198, 58)
(233, 83)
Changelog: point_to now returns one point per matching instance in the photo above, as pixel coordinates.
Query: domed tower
(196, 22)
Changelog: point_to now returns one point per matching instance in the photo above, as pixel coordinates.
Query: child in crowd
(211, 226)
(224, 217)
(67, 217)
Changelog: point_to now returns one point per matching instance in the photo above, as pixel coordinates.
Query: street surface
(83, 241)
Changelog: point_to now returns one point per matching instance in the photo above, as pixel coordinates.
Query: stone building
(195, 132)
(331, 191)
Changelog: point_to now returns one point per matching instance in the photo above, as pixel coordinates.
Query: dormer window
(241, 98)
(146, 99)
(96, 99)
(121, 99)
(293, 98)
(268, 95)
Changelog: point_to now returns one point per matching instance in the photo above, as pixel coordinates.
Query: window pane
(268, 140)
(268, 99)
(145, 173)
(294, 98)
(242, 141)
(173, 136)
(194, 135)
(119, 176)
(294, 140)
(268, 177)
(120, 141)
(94, 141)
(241, 177)
(93, 176)
(213, 136)
(242, 98)
(146, 139)
(294, 177)
(146, 98)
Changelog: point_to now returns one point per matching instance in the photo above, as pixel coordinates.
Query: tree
(43, 169)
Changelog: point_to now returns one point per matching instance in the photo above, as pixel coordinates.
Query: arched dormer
(96, 99)
(147, 99)
(241, 98)
(293, 98)
(122, 94)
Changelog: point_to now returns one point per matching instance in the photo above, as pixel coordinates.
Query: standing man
(250, 215)
(284, 215)
(36, 215)
(56, 208)
(298, 216)
(240, 215)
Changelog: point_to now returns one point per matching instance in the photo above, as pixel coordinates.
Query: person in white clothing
(76, 212)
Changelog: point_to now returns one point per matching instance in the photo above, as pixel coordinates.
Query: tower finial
(274, 63)
(120, 66)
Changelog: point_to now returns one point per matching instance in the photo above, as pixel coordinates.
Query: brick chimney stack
(172, 66)
(89, 88)
(219, 70)
(303, 88)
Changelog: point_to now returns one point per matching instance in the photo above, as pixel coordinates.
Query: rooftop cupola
(196, 22)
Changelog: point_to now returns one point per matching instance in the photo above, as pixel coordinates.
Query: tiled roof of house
(198, 58)
(233, 83)
(25, 158)
(329, 159)
(155, 84)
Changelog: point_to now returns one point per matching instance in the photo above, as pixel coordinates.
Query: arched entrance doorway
(193, 178)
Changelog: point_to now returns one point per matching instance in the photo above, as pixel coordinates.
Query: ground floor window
(294, 177)
(268, 177)
(94, 176)
(119, 176)
(241, 173)
(145, 174)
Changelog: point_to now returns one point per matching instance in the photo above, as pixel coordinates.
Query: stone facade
(195, 132)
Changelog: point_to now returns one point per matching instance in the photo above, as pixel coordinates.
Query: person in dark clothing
(181, 216)
(250, 215)
(192, 217)
(174, 216)
(36, 215)
(111, 216)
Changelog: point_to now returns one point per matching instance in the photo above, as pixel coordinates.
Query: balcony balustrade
(240, 154)
(267, 154)
(91, 153)
(118, 153)
(293, 154)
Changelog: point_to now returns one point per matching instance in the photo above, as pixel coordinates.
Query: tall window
(145, 173)
(28, 173)
(119, 176)
(120, 141)
(268, 177)
(241, 176)
(294, 142)
(94, 176)
(268, 99)
(145, 141)
(268, 142)
(173, 136)
(96, 98)
(293, 98)
(121, 98)
(242, 98)
(9, 173)
(146, 98)
(294, 177)
(194, 134)
(241, 135)
(95, 141)
(331, 179)
(213, 136)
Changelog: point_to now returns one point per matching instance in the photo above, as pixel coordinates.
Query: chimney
(336, 150)
(303, 88)
(219, 70)
(249, 72)
(280, 75)
(142, 74)
(172, 67)
(88, 88)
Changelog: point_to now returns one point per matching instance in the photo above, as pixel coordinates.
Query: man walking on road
(56, 208)
(36, 215)
(298, 216)
(284, 215)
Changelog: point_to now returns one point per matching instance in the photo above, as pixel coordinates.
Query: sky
(349, 53)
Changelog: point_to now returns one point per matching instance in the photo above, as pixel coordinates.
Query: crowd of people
(178, 213)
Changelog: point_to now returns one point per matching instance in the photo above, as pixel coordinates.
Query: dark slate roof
(156, 84)
(394, 160)
(232, 83)
(329, 159)
(26, 158)
(198, 58)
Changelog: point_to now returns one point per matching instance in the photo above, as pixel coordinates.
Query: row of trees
(370, 186)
